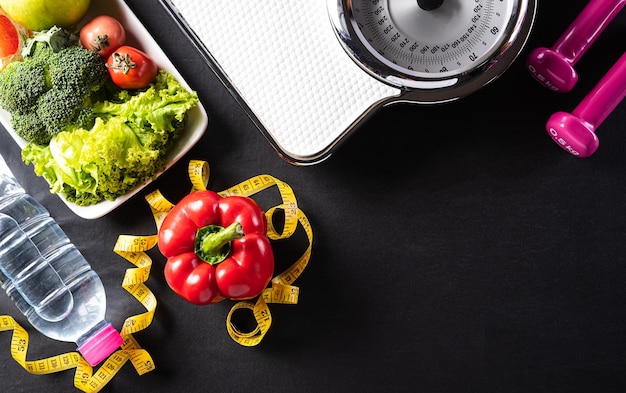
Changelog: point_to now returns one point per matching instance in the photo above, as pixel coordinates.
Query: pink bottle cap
(102, 344)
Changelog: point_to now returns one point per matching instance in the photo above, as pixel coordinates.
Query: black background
(456, 248)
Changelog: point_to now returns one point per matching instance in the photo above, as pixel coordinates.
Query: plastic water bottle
(48, 278)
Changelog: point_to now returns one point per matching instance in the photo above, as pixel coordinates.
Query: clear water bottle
(48, 278)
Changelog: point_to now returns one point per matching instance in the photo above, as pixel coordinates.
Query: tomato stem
(213, 242)
(122, 63)
(100, 42)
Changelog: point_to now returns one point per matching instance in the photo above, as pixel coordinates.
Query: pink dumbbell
(554, 68)
(575, 132)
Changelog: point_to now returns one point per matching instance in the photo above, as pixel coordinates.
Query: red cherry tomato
(103, 35)
(131, 68)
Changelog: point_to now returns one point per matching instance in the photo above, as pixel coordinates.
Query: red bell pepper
(216, 248)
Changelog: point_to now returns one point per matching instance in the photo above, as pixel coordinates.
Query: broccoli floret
(30, 127)
(77, 69)
(51, 90)
(21, 84)
(40, 54)
(85, 118)
(57, 109)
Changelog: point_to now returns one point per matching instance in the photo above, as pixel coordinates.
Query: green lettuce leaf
(125, 147)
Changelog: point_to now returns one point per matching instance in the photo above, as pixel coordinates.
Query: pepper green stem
(213, 241)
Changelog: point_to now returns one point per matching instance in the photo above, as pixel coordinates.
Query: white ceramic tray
(136, 35)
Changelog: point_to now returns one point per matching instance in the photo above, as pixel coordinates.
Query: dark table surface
(456, 248)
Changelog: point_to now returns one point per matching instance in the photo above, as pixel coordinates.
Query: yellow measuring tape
(133, 248)
(85, 379)
(282, 291)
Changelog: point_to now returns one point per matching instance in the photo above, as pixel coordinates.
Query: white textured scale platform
(309, 72)
(285, 66)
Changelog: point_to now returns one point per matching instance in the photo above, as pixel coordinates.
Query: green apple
(37, 15)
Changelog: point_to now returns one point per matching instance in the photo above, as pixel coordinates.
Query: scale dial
(435, 50)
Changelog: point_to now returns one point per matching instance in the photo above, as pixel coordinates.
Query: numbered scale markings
(436, 50)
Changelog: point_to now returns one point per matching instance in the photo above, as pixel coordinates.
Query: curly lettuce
(125, 147)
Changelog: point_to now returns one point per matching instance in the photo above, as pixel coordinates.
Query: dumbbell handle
(586, 28)
(605, 96)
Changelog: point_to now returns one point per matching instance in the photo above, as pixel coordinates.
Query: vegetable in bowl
(188, 134)
(125, 147)
(51, 90)
(90, 139)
